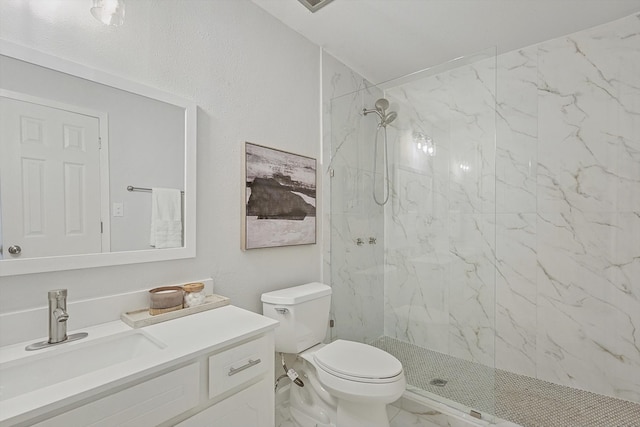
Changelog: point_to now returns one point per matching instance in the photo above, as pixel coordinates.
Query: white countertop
(185, 338)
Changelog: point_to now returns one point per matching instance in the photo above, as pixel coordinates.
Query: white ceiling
(386, 39)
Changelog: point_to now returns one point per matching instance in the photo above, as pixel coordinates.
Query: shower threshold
(523, 400)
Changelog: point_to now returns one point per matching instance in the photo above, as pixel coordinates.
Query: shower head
(382, 104)
(388, 118)
(380, 109)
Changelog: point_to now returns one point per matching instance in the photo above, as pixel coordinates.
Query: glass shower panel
(416, 277)
(510, 240)
(440, 230)
(357, 222)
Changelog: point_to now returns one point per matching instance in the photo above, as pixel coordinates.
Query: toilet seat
(358, 362)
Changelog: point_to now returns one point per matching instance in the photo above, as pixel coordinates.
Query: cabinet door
(144, 405)
(250, 407)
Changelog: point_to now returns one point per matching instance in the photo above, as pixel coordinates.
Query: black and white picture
(280, 198)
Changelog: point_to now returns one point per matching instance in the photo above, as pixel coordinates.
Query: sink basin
(73, 360)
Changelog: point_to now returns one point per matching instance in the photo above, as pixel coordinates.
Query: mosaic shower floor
(517, 398)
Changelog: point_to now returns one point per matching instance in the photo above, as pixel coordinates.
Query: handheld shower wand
(380, 109)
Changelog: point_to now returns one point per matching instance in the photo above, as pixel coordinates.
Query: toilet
(346, 383)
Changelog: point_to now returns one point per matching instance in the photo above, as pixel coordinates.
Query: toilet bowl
(339, 392)
(359, 372)
(346, 383)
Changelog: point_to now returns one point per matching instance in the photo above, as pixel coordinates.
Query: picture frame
(279, 198)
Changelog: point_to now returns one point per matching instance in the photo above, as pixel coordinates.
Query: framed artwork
(279, 198)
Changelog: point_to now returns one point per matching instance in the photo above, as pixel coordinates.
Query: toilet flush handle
(282, 310)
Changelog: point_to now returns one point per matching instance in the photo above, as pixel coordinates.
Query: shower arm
(365, 112)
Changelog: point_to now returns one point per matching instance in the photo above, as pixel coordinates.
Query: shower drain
(438, 382)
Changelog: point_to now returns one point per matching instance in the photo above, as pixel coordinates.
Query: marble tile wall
(588, 210)
(519, 242)
(440, 227)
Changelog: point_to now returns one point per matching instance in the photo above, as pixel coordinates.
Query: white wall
(253, 80)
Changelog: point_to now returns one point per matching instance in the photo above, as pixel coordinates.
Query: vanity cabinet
(146, 404)
(230, 387)
(240, 406)
(247, 408)
(214, 368)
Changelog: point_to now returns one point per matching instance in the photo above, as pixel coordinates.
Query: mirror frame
(11, 267)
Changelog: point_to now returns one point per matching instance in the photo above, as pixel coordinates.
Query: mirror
(124, 138)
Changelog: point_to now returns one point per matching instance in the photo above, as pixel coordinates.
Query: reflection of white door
(49, 180)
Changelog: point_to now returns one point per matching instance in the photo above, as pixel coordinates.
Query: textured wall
(253, 80)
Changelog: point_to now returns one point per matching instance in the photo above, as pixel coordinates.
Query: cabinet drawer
(237, 365)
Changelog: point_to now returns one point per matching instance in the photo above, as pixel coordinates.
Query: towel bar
(132, 188)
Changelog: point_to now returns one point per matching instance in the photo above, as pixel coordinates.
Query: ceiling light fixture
(109, 12)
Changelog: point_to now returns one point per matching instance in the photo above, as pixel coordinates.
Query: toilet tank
(303, 313)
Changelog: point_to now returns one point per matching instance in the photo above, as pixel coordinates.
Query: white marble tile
(474, 88)
(416, 310)
(629, 122)
(346, 139)
(575, 171)
(351, 269)
(357, 281)
(516, 260)
(454, 108)
(415, 286)
(457, 109)
(352, 192)
(624, 274)
(517, 131)
(472, 288)
(338, 79)
(587, 317)
(629, 169)
(465, 170)
(583, 120)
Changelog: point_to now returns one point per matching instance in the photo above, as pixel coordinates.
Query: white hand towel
(166, 218)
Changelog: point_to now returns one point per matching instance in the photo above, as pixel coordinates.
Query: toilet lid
(353, 360)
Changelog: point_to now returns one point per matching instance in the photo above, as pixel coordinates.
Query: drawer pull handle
(250, 363)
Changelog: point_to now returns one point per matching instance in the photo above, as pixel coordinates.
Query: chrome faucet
(58, 317)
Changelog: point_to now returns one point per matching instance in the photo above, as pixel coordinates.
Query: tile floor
(523, 400)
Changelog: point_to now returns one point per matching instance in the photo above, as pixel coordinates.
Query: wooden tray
(142, 318)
